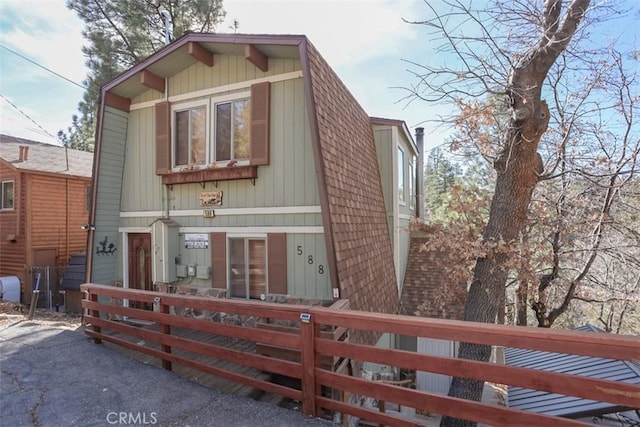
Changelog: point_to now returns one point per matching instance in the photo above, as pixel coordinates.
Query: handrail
(314, 345)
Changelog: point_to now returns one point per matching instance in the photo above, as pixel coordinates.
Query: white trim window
(232, 130)
(210, 131)
(401, 178)
(247, 267)
(190, 134)
(7, 197)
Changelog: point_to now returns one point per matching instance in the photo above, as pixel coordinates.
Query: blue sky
(365, 41)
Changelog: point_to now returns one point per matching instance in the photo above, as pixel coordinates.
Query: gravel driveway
(54, 375)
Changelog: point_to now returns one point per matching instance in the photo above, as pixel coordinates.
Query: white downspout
(167, 39)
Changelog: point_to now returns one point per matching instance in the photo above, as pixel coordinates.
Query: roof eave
(398, 123)
(255, 39)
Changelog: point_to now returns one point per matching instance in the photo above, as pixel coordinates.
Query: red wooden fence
(325, 389)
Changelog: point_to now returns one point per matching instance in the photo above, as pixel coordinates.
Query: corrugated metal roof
(561, 405)
(43, 157)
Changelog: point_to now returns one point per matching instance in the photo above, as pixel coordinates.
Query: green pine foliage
(122, 33)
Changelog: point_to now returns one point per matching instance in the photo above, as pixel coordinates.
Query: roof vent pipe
(167, 26)
(420, 213)
(167, 39)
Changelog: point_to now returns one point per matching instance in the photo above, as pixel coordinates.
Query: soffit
(175, 57)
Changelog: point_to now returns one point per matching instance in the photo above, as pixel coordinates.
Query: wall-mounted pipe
(420, 213)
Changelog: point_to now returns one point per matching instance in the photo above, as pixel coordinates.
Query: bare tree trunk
(518, 167)
(522, 295)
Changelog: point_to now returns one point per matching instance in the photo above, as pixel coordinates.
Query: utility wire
(26, 115)
(41, 66)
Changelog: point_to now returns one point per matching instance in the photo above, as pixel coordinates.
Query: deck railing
(327, 389)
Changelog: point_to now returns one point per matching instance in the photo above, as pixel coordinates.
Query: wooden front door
(139, 262)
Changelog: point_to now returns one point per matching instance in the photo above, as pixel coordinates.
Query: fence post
(308, 360)
(165, 329)
(95, 313)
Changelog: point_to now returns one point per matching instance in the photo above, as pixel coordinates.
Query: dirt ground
(11, 312)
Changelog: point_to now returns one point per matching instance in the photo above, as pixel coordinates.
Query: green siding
(227, 70)
(288, 181)
(388, 139)
(307, 276)
(384, 147)
(108, 194)
(408, 153)
(143, 188)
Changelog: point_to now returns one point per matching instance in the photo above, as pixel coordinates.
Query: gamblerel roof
(350, 189)
(357, 239)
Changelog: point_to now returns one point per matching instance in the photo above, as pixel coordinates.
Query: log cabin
(45, 202)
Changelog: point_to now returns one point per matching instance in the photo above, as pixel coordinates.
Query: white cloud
(363, 40)
(46, 32)
(345, 32)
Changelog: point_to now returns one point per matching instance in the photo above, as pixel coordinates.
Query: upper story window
(190, 124)
(232, 137)
(196, 140)
(7, 195)
(212, 131)
(401, 184)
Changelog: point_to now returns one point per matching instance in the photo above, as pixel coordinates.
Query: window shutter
(260, 120)
(277, 262)
(218, 260)
(163, 138)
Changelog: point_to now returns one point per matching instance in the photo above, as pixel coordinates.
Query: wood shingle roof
(352, 199)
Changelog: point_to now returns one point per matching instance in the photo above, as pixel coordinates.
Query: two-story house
(241, 166)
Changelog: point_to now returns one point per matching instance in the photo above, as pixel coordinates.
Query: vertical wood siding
(387, 140)
(406, 148)
(109, 186)
(384, 147)
(306, 279)
(404, 238)
(288, 180)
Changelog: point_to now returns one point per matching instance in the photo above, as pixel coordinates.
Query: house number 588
(310, 259)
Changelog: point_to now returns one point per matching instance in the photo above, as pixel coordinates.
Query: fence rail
(328, 387)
